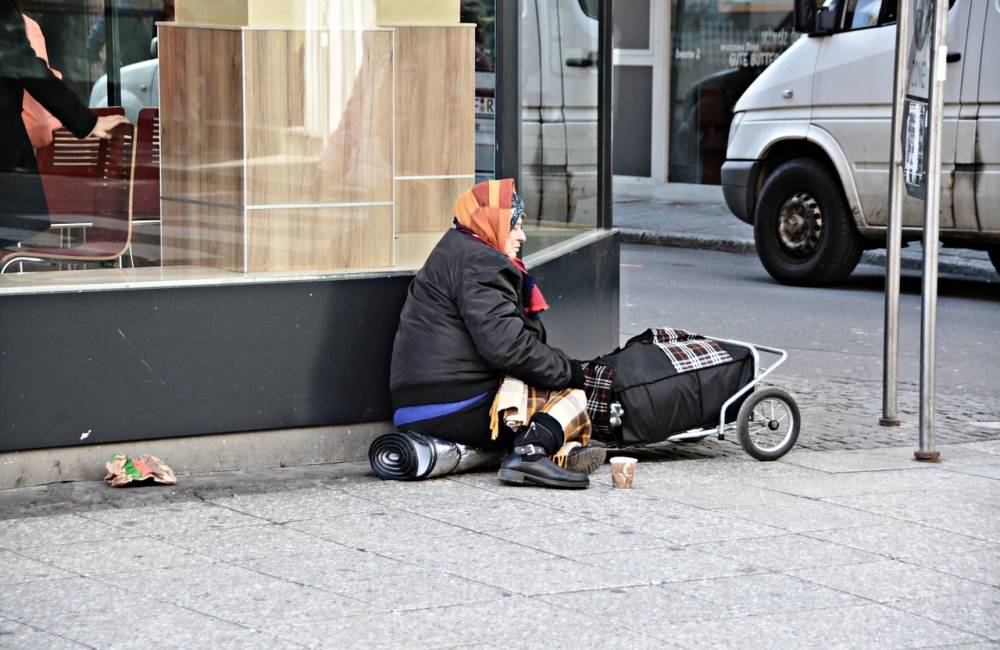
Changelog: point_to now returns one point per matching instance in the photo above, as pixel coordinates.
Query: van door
(852, 99)
(967, 70)
(988, 125)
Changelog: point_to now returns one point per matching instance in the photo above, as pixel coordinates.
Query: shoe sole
(514, 477)
(586, 460)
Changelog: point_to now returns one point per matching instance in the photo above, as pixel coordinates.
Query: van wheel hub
(800, 224)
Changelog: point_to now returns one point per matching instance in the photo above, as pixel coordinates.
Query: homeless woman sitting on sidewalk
(470, 344)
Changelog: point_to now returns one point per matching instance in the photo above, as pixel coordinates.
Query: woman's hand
(105, 124)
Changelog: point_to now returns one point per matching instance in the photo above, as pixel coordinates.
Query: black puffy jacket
(463, 329)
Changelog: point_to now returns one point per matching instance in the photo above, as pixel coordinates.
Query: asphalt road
(830, 333)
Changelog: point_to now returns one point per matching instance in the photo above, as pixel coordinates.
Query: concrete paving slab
(986, 471)
(172, 519)
(59, 529)
(537, 577)
(638, 608)
(976, 613)
(669, 564)
(427, 494)
(922, 506)
(33, 603)
(731, 494)
(700, 526)
(251, 542)
(581, 537)
(903, 540)
(16, 567)
(889, 580)
(866, 626)
(295, 505)
(404, 630)
(465, 548)
(498, 514)
(375, 530)
(125, 554)
(804, 515)
(168, 625)
(530, 622)
(859, 460)
(242, 596)
(413, 590)
(980, 566)
(17, 635)
(819, 485)
(328, 570)
(767, 593)
(786, 552)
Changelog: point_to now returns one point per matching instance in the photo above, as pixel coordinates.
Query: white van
(808, 156)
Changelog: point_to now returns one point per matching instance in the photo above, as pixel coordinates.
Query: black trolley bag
(661, 400)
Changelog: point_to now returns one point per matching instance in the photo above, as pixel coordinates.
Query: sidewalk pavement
(861, 548)
(710, 225)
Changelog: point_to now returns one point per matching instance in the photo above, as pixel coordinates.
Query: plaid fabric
(597, 385)
(686, 350)
(516, 402)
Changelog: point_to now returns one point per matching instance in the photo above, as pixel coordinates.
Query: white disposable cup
(623, 470)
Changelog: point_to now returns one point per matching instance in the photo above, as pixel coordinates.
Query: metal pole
(894, 234)
(928, 311)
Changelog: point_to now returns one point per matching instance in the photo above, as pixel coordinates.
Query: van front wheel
(802, 226)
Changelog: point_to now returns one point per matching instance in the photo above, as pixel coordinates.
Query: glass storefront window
(310, 140)
(719, 48)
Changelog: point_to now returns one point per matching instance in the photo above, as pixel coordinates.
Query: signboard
(916, 106)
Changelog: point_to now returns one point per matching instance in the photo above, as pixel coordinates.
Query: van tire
(803, 227)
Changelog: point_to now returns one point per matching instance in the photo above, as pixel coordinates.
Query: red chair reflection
(94, 184)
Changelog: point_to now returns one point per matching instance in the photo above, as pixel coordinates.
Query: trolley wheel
(768, 424)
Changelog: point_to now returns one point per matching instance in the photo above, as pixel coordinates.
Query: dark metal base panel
(139, 364)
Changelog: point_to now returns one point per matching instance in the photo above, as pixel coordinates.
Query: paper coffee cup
(623, 472)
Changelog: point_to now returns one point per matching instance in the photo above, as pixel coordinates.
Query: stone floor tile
(372, 530)
(786, 552)
(385, 630)
(252, 542)
(859, 460)
(668, 564)
(532, 623)
(639, 608)
(54, 529)
(568, 540)
(535, 577)
(126, 554)
(980, 566)
(766, 593)
(242, 596)
(699, 526)
(295, 505)
(984, 525)
(805, 515)
(922, 506)
(902, 540)
(497, 514)
(986, 471)
(976, 613)
(730, 494)
(17, 635)
(173, 519)
(421, 494)
(819, 485)
(888, 580)
(16, 567)
(865, 626)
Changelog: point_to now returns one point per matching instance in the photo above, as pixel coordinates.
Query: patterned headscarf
(488, 211)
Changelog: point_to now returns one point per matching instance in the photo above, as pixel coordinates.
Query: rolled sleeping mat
(411, 456)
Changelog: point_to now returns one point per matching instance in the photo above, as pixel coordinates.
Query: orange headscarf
(39, 122)
(486, 210)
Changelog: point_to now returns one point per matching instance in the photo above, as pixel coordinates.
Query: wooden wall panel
(319, 117)
(320, 239)
(435, 98)
(424, 205)
(201, 114)
(202, 235)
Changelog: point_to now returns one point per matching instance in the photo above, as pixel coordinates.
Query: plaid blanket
(597, 383)
(686, 350)
(516, 402)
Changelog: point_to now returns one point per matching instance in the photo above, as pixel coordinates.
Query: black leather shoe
(528, 465)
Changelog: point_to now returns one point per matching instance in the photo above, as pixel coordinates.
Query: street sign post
(917, 127)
